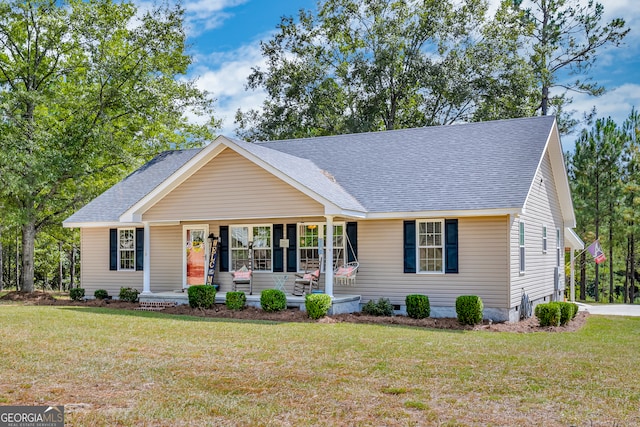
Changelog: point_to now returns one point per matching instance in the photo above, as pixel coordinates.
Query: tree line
(604, 173)
(90, 90)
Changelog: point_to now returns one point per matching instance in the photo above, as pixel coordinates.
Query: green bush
(272, 300)
(575, 309)
(566, 312)
(317, 305)
(128, 295)
(201, 296)
(469, 309)
(418, 306)
(76, 294)
(235, 300)
(548, 314)
(381, 308)
(101, 294)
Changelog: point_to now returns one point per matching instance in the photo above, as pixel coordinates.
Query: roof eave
(454, 213)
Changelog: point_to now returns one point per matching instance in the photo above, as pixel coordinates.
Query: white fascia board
(103, 224)
(572, 239)
(445, 214)
(113, 224)
(134, 213)
(560, 177)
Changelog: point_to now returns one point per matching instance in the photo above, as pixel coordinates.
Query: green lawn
(112, 367)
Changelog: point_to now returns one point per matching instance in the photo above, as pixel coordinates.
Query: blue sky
(225, 42)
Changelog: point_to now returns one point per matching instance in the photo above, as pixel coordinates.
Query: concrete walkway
(612, 309)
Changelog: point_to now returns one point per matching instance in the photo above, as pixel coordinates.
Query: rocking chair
(308, 281)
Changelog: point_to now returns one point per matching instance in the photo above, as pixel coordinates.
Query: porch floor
(340, 303)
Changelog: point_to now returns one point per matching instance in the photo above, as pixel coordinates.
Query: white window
(558, 248)
(544, 239)
(126, 249)
(431, 246)
(309, 235)
(521, 243)
(259, 238)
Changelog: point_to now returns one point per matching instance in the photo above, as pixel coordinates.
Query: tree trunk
(60, 266)
(583, 276)
(1, 263)
(28, 249)
(545, 100)
(72, 268)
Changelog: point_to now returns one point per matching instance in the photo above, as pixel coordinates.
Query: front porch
(340, 303)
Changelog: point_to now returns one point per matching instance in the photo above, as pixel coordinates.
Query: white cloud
(225, 76)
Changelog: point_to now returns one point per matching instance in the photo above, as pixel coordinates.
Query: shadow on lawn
(258, 316)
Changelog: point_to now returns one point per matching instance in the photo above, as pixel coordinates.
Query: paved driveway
(612, 309)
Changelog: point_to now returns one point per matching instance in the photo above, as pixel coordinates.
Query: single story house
(481, 208)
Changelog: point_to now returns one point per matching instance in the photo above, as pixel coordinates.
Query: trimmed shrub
(418, 306)
(548, 314)
(317, 305)
(575, 309)
(469, 309)
(272, 300)
(381, 308)
(201, 296)
(235, 300)
(101, 294)
(76, 294)
(566, 312)
(128, 294)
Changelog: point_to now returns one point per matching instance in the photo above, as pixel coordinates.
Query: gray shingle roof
(108, 206)
(488, 165)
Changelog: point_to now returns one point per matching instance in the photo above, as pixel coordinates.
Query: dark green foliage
(548, 314)
(76, 294)
(317, 305)
(381, 308)
(418, 306)
(566, 312)
(272, 300)
(235, 300)
(101, 294)
(128, 294)
(574, 306)
(201, 296)
(469, 309)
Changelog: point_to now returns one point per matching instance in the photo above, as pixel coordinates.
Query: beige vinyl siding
(232, 187)
(166, 254)
(94, 266)
(482, 251)
(542, 209)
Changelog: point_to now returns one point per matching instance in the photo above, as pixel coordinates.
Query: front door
(195, 255)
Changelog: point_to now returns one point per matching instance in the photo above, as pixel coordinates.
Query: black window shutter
(278, 252)
(139, 249)
(409, 246)
(292, 250)
(352, 241)
(113, 249)
(223, 256)
(451, 245)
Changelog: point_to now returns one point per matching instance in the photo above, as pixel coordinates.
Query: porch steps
(155, 305)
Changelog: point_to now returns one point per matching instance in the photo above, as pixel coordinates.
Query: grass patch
(111, 367)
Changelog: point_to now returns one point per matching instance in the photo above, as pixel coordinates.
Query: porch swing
(346, 274)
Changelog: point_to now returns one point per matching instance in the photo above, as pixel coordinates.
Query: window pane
(261, 237)
(239, 237)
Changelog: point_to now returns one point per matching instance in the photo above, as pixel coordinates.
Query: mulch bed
(295, 315)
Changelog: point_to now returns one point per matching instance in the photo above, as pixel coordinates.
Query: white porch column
(573, 276)
(328, 269)
(146, 277)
